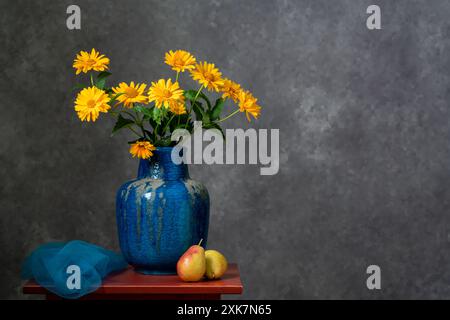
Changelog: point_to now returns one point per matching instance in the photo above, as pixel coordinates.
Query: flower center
(209, 76)
(179, 62)
(90, 62)
(167, 93)
(131, 92)
(91, 103)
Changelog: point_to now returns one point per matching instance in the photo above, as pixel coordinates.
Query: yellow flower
(207, 75)
(86, 61)
(230, 89)
(142, 149)
(178, 107)
(247, 104)
(180, 60)
(131, 94)
(165, 93)
(90, 102)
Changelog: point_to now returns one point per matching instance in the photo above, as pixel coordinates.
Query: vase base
(155, 272)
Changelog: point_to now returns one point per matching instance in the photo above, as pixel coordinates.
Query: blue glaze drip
(161, 214)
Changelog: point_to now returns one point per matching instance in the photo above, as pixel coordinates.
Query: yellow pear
(191, 266)
(216, 264)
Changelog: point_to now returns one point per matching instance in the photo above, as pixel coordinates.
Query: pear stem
(200, 242)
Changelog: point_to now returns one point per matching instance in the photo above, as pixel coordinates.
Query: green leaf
(175, 124)
(190, 94)
(101, 79)
(152, 123)
(217, 110)
(139, 108)
(121, 123)
(198, 110)
(214, 125)
(204, 97)
(189, 127)
(157, 115)
(185, 123)
(200, 113)
(164, 142)
(103, 75)
(147, 112)
(100, 83)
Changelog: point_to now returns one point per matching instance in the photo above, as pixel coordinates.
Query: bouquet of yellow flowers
(153, 113)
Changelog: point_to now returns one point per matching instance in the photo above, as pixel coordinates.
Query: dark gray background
(364, 128)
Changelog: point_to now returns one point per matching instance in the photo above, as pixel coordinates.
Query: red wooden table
(129, 284)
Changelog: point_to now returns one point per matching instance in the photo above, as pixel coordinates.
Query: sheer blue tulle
(49, 263)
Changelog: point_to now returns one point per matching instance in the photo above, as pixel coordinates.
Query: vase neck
(160, 166)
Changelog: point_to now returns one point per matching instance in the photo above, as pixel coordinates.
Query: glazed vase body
(160, 214)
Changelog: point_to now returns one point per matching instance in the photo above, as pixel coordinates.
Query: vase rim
(163, 148)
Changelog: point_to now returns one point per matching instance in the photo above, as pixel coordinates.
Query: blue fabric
(48, 265)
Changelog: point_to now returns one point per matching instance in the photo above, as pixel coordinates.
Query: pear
(192, 265)
(216, 264)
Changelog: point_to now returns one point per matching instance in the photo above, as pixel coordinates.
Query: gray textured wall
(364, 119)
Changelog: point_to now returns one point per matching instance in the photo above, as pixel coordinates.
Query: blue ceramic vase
(161, 214)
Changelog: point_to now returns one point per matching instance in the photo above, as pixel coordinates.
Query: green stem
(187, 121)
(140, 123)
(155, 131)
(228, 116)
(178, 73)
(196, 96)
(167, 124)
(92, 80)
(192, 103)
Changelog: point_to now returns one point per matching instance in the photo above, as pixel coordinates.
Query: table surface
(131, 282)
